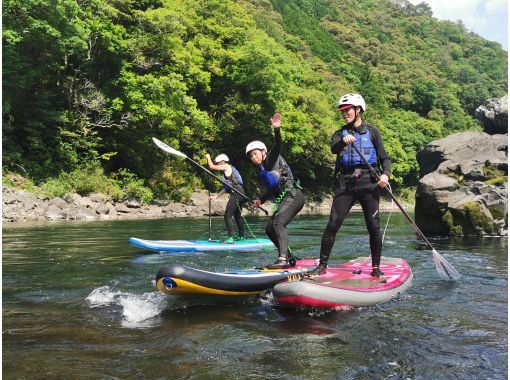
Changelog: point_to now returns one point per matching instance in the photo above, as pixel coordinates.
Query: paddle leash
(175, 152)
(443, 267)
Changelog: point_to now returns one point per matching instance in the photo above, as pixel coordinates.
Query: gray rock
(72, 198)
(12, 211)
(152, 211)
(466, 149)
(111, 209)
(88, 203)
(122, 208)
(97, 198)
(71, 212)
(28, 200)
(435, 182)
(174, 208)
(201, 199)
(20, 205)
(58, 202)
(103, 209)
(494, 115)
(9, 198)
(85, 214)
(133, 204)
(463, 188)
(55, 213)
(78, 200)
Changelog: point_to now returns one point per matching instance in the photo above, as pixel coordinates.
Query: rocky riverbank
(21, 206)
(463, 189)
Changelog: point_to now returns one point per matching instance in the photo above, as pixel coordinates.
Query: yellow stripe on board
(189, 287)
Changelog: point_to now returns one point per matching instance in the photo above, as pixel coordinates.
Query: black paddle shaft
(209, 193)
(224, 183)
(377, 177)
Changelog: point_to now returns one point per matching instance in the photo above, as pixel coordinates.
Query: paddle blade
(443, 267)
(168, 148)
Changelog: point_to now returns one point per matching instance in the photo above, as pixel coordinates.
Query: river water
(80, 303)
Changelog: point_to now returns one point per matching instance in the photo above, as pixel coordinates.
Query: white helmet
(255, 145)
(351, 100)
(221, 157)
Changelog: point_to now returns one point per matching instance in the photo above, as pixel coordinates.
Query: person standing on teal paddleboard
(277, 177)
(355, 181)
(233, 209)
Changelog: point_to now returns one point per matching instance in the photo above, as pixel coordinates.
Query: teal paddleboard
(199, 245)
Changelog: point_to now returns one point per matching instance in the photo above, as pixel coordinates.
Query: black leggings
(288, 208)
(342, 203)
(234, 209)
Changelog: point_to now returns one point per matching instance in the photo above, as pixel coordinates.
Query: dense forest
(88, 83)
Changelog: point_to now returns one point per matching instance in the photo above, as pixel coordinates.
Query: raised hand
(276, 121)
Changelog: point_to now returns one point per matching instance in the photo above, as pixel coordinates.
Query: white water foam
(138, 310)
(268, 300)
(103, 296)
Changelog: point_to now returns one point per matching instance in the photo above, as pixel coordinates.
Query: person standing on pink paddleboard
(355, 181)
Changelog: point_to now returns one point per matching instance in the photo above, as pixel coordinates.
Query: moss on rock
(497, 213)
(497, 181)
(458, 177)
(468, 220)
(448, 220)
(494, 175)
(479, 222)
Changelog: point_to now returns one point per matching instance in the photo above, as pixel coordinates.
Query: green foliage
(424, 95)
(16, 181)
(132, 187)
(302, 18)
(173, 182)
(88, 179)
(92, 82)
(407, 194)
(55, 187)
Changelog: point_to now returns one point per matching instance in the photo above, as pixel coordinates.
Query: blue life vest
(350, 157)
(270, 179)
(234, 179)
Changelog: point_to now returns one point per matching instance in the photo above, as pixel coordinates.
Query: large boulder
(494, 115)
(463, 189)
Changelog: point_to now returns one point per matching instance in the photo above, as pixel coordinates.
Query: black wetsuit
(356, 184)
(234, 205)
(292, 198)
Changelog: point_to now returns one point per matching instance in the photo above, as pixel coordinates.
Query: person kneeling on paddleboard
(275, 174)
(355, 181)
(233, 178)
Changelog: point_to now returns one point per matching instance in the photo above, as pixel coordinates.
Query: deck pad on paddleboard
(199, 245)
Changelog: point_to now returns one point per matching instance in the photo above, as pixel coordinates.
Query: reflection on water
(78, 292)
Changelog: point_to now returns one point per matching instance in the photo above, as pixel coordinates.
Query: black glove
(208, 150)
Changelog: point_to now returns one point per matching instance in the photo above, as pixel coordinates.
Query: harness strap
(283, 192)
